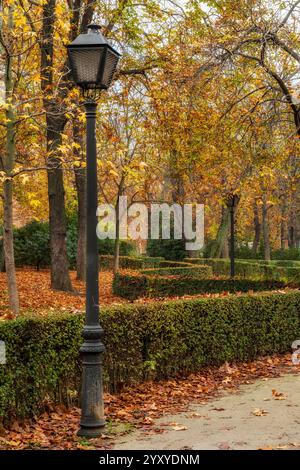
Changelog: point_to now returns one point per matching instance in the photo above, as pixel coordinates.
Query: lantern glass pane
(86, 63)
(111, 62)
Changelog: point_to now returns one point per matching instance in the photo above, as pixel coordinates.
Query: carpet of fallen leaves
(37, 296)
(139, 406)
(35, 293)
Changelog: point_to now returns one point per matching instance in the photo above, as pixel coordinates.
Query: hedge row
(199, 272)
(275, 262)
(130, 262)
(135, 286)
(251, 269)
(151, 340)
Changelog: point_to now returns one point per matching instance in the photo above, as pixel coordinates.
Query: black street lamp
(93, 62)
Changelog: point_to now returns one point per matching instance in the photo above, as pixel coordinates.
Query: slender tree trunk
(266, 230)
(9, 249)
(292, 225)
(284, 239)
(9, 162)
(222, 234)
(225, 247)
(257, 227)
(60, 278)
(118, 221)
(2, 260)
(56, 121)
(117, 248)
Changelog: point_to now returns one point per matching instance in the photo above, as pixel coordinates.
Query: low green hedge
(129, 262)
(274, 262)
(199, 272)
(151, 340)
(252, 269)
(135, 286)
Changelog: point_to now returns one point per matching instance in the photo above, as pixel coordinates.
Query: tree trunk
(56, 121)
(266, 230)
(60, 278)
(117, 239)
(222, 234)
(225, 248)
(8, 242)
(294, 224)
(284, 238)
(9, 162)
(117, 249)
(2, 260)
(257, 227)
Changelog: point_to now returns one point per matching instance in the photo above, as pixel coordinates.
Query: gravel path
(262, 415)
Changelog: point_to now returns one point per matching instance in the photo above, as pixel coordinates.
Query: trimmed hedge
(133, 287)
(152, 340)
(199, 272)
(252, 269)
(174, 264)
(129, 262)
(275, 262)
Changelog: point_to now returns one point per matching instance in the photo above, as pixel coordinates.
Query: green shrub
(252, 269)
(32, 245)
(133, 287)
(289, 254)
(244, 252)
(199, 272)
(174, 337)
(170, 249)
(107, 247)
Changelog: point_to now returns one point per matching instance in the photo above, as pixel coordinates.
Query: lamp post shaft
(92, 409)
(232, 241)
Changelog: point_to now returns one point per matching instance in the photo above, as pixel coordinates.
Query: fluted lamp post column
(93, 62)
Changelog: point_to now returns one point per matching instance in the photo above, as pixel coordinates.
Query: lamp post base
(91, 432)
(92, 417)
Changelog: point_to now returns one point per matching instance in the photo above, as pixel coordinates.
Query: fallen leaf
(259, 412)
(179, 428)
(224, 446)
(278, 395)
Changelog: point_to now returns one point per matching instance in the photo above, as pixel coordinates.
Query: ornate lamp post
(93, 62)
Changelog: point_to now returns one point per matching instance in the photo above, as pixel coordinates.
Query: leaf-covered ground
(36, 295)
(139, 406)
